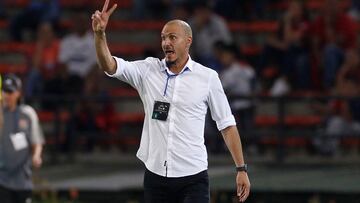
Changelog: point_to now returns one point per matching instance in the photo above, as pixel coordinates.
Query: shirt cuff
(119, 62)
(226, 122)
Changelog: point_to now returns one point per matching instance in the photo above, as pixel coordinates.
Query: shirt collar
(189, 65)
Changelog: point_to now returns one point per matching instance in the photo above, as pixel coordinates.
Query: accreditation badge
(161, 110)
(19, 141)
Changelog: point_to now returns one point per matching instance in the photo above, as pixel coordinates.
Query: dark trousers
(13, 196)
(188, 189)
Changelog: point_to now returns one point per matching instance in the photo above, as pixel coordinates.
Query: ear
(189, 42)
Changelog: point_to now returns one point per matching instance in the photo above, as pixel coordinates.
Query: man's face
(11, 98)
(175, 43)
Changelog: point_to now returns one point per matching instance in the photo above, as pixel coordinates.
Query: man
(208, 28)
(77, 58)
(21, 141)
(77, 51)
(176, 93)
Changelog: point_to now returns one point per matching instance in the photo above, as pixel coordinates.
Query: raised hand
(100, 19)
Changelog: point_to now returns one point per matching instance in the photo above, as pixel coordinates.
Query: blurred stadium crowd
(261, 49)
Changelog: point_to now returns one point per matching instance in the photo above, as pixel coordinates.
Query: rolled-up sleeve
(219, 104)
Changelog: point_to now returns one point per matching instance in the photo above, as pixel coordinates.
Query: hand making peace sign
(100, 19)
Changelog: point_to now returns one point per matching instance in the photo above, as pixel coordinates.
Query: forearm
(233, 142)
(37, 150)
(105, 60)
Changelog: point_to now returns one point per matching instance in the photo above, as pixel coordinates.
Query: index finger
(244, 196)
(246, 192)
(105, 6)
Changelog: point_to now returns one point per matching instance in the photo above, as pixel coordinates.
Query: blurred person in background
(238, 79)
(44, 61)
(208, 28)
(342, 116)
(176, 93)
(21, 144)
(36, 13)
(77, 59)
(46, 76)
(333, 33)
(77, 55)
(287, 51)
(91, 117)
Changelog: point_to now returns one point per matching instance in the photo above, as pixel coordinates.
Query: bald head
(184, 26)
(176, 39)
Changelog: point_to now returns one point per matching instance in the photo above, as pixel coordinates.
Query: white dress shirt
(175, 147)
